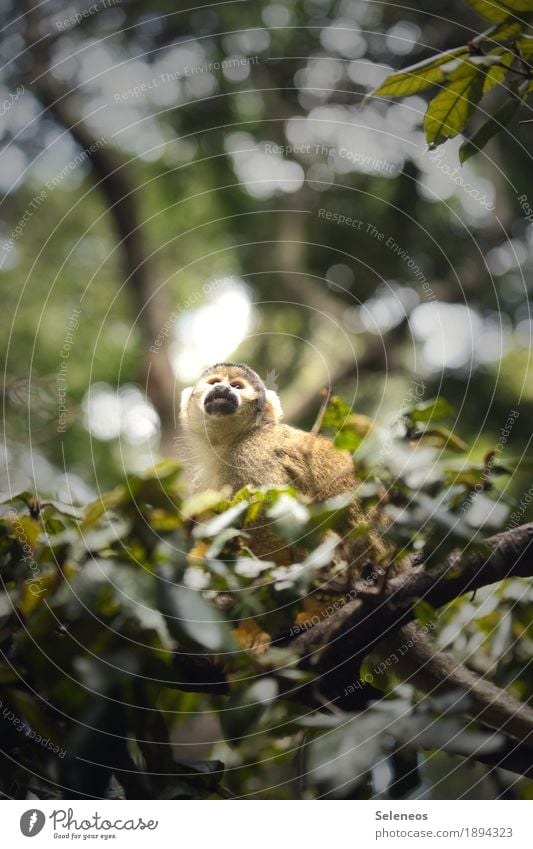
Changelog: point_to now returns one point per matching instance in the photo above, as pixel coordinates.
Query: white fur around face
(209, 441)
(184, 399)
(275, 405)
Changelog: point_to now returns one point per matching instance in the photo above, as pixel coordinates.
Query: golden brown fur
(245, 448)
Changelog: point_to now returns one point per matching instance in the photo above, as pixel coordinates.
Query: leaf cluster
(124, 621)
(500, 56)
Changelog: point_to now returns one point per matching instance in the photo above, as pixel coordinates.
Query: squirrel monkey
(235, 437)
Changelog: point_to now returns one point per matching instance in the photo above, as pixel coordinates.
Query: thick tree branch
(334, 648)
(353, 631)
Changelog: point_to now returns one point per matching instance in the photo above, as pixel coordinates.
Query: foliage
(500, 56)
(124, 622)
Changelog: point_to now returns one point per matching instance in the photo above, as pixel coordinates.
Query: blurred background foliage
(274, 220)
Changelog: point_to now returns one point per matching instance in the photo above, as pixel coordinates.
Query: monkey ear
(272, 411)
(184, 401)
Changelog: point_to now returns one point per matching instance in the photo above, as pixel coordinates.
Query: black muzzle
(220, 401)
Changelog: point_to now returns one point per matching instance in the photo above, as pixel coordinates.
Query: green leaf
(417, 77)
(201, 502)
(336, 413)
(246, 707)
(219, 523)
(442, 438)
(93, 512)
(525, 46)
(7, 674)
(449, 111)
(66, 509)
(425, 612)
(25, 706)
(342, 756)
(499, 10)
(495, 123)
(330, 513)
(96, 539)
(350, 428)
(499, 33)
(19, 492)
(435, 408)
(189, 613)
(497, 72)
(155, 486)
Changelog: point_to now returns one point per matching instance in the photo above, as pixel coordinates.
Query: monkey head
(228, 398)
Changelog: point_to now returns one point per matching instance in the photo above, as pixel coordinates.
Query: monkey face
(221, 400)
(222, 392)
(228, 395)
(225, 390)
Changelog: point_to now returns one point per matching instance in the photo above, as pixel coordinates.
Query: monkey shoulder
(284, 455)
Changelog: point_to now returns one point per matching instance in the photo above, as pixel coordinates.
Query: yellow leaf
(449, 111)
(250, 637)
(94, 511)
(417, 77)
(310, 607)
(25, 530)
(198, 552)
(201, 502)
(361, 424)
(37, 586)
(496, 73)
(163, 520)
(500, 10)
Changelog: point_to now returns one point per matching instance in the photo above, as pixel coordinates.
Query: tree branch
(352, 632)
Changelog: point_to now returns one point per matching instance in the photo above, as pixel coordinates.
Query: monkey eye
(213, 380)
(237, 384)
